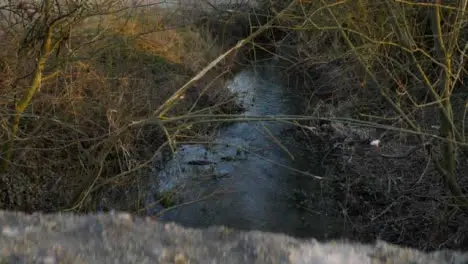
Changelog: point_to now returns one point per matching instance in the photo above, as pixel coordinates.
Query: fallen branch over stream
(169, 103)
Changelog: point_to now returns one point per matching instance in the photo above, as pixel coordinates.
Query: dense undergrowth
(79, 144)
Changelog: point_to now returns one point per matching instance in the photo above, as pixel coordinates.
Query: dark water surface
(245, 179)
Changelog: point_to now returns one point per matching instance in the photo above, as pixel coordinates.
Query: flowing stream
(245, 179)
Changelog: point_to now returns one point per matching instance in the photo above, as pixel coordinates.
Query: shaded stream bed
(252, 176)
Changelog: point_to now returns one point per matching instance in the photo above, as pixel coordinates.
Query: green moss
(167, 199)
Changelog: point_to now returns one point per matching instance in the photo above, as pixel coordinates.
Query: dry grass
(75, 149)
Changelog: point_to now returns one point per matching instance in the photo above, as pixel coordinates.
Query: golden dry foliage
(74, 135)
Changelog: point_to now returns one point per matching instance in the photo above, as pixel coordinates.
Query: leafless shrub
(74, 78)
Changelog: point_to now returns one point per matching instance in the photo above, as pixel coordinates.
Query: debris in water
(228, 158)
(200, 162)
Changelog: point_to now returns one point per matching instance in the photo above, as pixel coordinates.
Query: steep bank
(338, 60)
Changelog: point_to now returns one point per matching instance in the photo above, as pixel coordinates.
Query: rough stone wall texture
(122, 238)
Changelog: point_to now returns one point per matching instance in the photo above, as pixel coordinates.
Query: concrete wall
(122, 238)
